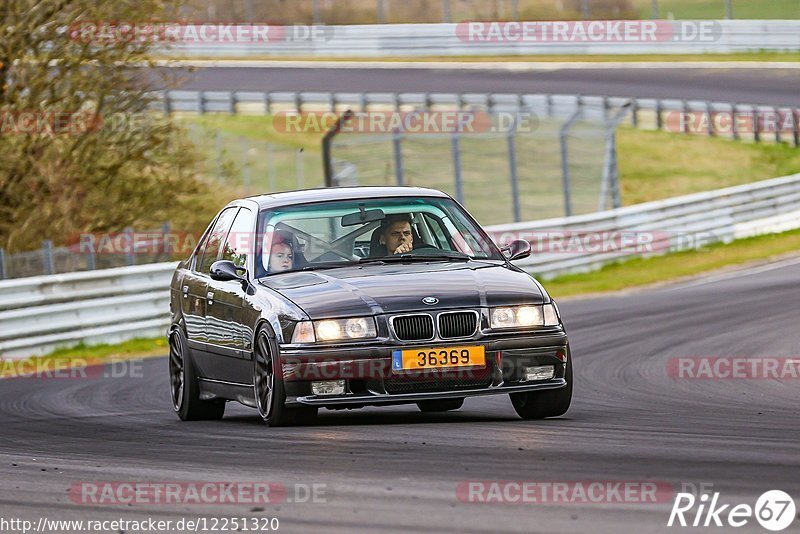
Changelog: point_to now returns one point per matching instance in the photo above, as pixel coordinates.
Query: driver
(396, 234)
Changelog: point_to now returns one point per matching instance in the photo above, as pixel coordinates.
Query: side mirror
(224, 271)
(517, 250)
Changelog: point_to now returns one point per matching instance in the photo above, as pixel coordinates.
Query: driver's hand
(402, 249)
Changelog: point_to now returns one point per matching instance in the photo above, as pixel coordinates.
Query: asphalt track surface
(396, 470)
(754, 86)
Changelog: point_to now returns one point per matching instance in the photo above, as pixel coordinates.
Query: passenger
(396, 234)
(281, 255)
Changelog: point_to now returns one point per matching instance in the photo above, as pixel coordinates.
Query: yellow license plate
(437, 358)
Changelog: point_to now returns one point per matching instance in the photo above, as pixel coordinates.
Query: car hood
(392, 288)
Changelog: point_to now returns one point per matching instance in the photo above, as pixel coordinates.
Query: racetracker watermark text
(194, 493)
(564, 492)
(734, 368)
(595, 31)
(217, 33)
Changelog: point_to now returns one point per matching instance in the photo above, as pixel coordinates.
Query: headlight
(334, 330)
(524, 316)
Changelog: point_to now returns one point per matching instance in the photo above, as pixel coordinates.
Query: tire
(268, 386)
(184, 389)
(440, 405)
(548, 403)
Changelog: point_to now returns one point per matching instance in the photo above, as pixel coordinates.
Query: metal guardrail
(571, 244)
(41, 313)
(448, 39)
(741, 121)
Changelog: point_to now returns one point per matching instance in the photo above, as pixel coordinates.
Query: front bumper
(370, 380)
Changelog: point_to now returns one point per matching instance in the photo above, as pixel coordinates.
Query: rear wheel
(548, 403)
(440, 405)
(268, 385)
(183, 384)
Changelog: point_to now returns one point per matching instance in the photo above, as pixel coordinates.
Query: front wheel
(268, 386)
(183, 384)
(548, 403)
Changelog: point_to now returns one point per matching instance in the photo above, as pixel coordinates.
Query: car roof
(304, 196)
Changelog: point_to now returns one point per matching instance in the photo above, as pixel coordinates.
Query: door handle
(186, 292)
(210, 297)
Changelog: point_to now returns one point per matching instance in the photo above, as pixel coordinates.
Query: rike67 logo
(774, 510)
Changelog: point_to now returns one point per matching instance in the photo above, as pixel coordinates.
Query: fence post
(87, 241)
(659, 118)
(397, 143)
(267, 103)
(315, 15)
(734, 123)
(756, 125)
(446, 11)
(232, 103)
(131, 246)
(778, 125)
(381, 12)
(610, 178)
(327, 141)
(655, 9)
(166, 248)
(3, 272)
(635, 112)
(166, 103)
(512, 168)
(710, 113)
(248, 10)
(729, 9)
(685, 121)
(515, 9)
(456, 149)
(795, 128)
(47, 257)
(201, 102)
(565, 178)
(585, 13)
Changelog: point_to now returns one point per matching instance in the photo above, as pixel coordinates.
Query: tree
(81, 147)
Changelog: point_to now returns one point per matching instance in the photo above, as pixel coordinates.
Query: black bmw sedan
(365, 296)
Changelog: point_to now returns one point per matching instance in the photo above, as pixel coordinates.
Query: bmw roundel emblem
(430, 300)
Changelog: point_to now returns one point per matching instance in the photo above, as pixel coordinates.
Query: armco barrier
(512, 39)
(733, 120)
(41, 313)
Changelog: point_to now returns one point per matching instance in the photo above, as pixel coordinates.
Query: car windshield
(340, 233)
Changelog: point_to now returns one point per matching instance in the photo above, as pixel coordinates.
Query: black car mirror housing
(225, 271)
(517, 250)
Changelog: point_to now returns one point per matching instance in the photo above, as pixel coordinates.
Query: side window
(215, 237)
(239, 244)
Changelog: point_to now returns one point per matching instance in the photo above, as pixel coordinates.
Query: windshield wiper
(453, 256)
